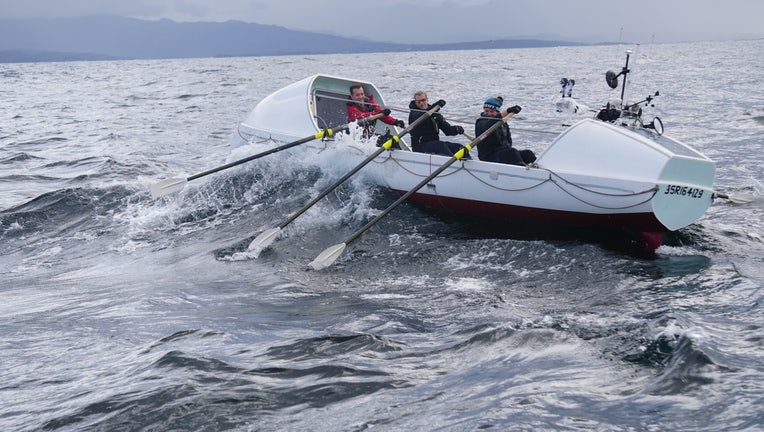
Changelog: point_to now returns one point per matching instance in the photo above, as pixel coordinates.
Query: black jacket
(500, 139)
(429, 129)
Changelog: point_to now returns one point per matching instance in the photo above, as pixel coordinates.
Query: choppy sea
(120, 312)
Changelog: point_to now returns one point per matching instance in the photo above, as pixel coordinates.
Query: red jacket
(358, 111)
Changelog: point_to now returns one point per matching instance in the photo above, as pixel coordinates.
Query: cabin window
(331, 108)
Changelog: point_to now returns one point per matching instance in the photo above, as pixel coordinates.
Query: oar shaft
(320, 134)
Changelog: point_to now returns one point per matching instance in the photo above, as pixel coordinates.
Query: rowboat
(596, 174)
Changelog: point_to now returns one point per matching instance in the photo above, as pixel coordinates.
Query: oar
(330, 254)
(737, 199)
(266, 237)
(168, 186)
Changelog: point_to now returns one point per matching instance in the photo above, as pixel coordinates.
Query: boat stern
(685, 191)
(683, 177)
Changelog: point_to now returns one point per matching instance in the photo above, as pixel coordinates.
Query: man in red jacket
(362, 106)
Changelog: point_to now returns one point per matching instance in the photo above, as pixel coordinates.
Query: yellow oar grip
(463, 151)
(323, 133)
(389, 143)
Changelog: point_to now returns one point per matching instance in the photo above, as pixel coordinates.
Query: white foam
(242, 256)
(676, 250)
(468, 284)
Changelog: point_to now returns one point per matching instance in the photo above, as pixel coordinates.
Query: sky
(433, 21)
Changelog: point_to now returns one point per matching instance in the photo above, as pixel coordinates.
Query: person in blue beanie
(497, 147)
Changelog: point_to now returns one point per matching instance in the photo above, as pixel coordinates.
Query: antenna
(625, 73)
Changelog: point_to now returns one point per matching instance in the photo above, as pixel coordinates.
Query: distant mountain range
(114, 38)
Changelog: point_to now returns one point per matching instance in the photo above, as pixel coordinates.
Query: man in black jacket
(425, 137)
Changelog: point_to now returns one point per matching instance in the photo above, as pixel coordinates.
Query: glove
(459, 129)
(400, 124)
(441, 102)
(514, 109)
(383, 138)
(386, 111)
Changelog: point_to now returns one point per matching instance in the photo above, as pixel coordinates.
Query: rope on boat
(251, 137)
(550, 178)
(507, 189)
(654, 190)
(536, 131)
(389, 158)
(238, 131)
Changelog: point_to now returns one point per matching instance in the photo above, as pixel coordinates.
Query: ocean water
(121, 312)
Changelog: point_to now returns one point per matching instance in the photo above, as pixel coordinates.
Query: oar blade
(742, 198)
(328, 256)
(166, 187)
(264, 239)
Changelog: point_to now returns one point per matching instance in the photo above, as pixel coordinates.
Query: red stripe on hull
(630, 221)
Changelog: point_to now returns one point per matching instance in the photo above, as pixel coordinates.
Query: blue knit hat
(492, 103)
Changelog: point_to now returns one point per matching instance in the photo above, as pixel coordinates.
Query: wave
(18, 157)
(220, 395)
(41, 141)
(549, 358)
(686, 368)
(334, 346)
(71, 218)
(47, 215)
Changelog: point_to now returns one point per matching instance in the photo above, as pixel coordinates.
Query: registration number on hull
(684, 191)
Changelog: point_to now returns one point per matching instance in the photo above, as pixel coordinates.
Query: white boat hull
(593, 174)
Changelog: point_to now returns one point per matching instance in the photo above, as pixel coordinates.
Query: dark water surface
(121, 312)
